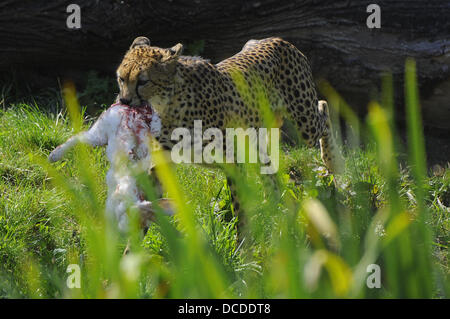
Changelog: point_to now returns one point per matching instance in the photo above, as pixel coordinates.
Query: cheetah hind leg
(330, 153)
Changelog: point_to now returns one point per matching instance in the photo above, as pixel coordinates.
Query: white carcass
(126, 131)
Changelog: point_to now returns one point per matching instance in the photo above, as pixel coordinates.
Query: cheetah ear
(173, 53)
(140, 42)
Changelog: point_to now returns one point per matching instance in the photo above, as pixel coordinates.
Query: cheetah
(182, 89)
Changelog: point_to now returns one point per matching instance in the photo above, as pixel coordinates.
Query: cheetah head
(146, 73)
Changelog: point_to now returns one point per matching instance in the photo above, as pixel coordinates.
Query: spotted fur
(183, 89)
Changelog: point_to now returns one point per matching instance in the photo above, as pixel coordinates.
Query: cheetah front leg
(237, 211)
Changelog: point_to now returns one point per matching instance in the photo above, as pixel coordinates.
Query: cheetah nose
(125, 101)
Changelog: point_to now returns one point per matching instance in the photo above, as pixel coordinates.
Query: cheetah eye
(121, 79)
(142, 82)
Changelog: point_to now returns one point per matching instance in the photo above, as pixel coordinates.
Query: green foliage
(314, 238)
(98, 92)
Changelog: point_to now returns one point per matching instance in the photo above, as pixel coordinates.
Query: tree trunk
(332, 34)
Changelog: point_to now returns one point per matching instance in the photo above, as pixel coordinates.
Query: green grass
(315, 240)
